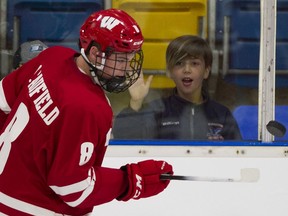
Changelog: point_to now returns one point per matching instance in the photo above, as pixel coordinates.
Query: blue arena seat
(54, 22)
(161, 21)
(240, 20)
(247, 119)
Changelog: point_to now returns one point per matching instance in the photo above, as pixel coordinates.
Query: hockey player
(57, 124)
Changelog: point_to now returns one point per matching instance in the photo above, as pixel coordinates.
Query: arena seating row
(54, 22)
(58, 21)
(240, 20)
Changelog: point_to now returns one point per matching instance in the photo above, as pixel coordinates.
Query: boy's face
(188, 75)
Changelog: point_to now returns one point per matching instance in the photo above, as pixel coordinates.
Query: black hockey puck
(276, 128)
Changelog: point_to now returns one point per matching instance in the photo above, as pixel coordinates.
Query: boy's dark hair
(185, 46)
(188, 45)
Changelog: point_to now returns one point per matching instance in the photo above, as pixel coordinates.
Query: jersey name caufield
(42, 100)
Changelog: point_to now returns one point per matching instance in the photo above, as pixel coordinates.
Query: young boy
(188, 114)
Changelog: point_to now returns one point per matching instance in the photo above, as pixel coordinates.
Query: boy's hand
(138, 91)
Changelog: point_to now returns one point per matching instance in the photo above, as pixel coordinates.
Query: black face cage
(131, 68)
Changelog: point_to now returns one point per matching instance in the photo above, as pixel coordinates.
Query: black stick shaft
(194, 178)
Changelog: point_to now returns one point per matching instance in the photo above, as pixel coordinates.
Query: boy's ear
(207, 72)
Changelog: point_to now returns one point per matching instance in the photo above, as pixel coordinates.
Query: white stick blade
(250, 175)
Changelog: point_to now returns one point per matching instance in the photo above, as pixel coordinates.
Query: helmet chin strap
(94, 68)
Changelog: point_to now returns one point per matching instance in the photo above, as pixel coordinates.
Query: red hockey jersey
(54, 138)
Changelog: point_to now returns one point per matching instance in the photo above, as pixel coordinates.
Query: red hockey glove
(144, 179)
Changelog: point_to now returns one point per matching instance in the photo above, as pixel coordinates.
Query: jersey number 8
(12, 131)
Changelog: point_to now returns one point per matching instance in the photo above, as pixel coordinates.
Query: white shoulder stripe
(3, 103)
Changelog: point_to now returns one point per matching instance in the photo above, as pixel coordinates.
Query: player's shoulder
(58, 51)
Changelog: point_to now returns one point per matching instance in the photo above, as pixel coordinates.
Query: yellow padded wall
(161, 21)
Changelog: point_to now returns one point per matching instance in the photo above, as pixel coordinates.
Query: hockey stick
(247, 175)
